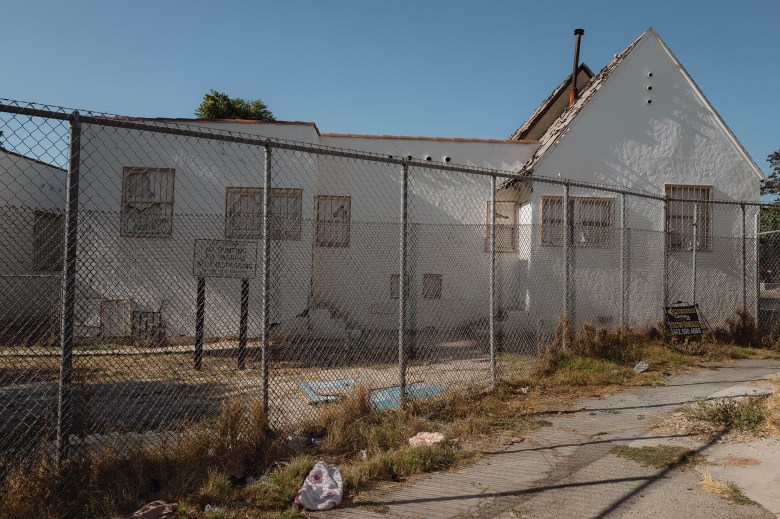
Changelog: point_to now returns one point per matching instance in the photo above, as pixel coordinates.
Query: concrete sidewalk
(567, 469)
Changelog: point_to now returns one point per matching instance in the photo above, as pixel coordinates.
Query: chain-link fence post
(68, 302)
(493, 374)
(744, 261)
(402, 285)
(758, 266)
(243, 321)
(666, 251)
(200, 317)
(266, 314)
(567, 234)
(695, 250)
(623, 266)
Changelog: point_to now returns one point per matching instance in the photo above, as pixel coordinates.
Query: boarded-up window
(592, 218)
(334, 214)
(680, 216)
(506, 227)
(147, 202)
(48, 241)
(432, 286)
(244, 213)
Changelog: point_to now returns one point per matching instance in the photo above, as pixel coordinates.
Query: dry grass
(741, 419)
(772, 409)
(101, 484)
(740, 328)
(194, 468)
(727, 491)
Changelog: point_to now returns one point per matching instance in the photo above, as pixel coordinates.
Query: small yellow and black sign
(683, 321)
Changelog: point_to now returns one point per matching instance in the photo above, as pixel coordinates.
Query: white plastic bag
(322, 489)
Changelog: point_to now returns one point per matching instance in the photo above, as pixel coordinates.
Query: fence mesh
(338, 310)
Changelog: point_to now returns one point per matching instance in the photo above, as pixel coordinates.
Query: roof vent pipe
(573, 93)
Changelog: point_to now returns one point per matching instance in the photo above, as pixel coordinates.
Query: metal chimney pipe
(573, 93)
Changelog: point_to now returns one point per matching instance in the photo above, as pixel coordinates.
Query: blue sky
(438, 68)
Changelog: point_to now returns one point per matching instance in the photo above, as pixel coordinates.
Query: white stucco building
(32, 203)
(641, 123)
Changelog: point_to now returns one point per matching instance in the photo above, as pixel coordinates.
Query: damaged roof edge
(558, 129)
(548, 103)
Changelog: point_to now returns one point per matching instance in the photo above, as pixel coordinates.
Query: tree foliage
(770, 215)
(218, 105)
(772, 184)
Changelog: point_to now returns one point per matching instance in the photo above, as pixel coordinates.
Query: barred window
(334, 214)
(680, 216)
(432, 286)
(506, 227)
(593, 221)
(147, 202)
(48, 241)
(551, 230)
(244, 213)
(286, 214)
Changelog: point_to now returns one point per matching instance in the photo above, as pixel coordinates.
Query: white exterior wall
(447, 217)
(156, 273)
(618, 139)
(352, 283)
(27, 298)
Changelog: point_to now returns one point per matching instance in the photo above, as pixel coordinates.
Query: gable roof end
(558, 129)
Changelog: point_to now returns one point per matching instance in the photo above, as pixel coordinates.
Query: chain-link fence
(153, 270)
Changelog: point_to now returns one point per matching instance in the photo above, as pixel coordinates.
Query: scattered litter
(524, 390)
(422, 439)
(641, 367)
(212, 508)
(155, 510)
(322, 489)
(363, 453)
(298, 441)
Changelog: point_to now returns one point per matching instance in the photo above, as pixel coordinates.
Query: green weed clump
(745, 415)
(658, 455)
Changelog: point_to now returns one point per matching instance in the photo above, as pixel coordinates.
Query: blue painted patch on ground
(314, 390)
(387, 398)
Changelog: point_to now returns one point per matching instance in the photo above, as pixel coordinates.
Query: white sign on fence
(225, 259)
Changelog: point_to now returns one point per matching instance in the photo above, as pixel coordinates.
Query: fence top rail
(201, 132)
